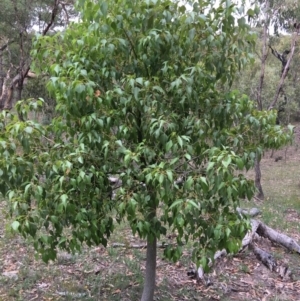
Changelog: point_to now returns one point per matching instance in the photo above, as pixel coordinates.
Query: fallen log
(266, 258)
(258, 230)
(278, 238)
(270, 262)
(248, 212)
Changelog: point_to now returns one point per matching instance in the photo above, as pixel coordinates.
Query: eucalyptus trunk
(260, 194)
(264, 55)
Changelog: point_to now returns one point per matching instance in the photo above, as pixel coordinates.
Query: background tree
(20, 20)
(137, 99)
(274, 16)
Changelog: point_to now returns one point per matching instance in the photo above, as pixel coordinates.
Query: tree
(137, 99)
(276, 15)
(285, 66)
(19, 21)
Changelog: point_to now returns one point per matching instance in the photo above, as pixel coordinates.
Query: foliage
(135, 84)
(36, 88)
(25, 17)
(279, 15)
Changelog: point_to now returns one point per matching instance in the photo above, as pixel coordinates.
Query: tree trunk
(263, 59)
(1, 74)
(264, 55)
(149, 284)
(260, 193)
(19, 95)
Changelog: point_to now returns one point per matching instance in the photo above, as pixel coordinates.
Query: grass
(115, 274)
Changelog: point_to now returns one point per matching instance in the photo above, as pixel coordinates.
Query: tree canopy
(137, 86)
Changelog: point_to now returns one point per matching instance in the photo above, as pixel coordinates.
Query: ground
(117, 273)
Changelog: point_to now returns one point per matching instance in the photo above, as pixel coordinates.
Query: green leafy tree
(135, 84)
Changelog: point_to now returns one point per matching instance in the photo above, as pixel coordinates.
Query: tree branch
(53, 15)
(285, 71)
(6, 45)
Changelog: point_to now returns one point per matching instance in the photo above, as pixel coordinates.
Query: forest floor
(115, 274)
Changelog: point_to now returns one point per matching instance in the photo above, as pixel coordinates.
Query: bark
(7, 90)
(264, 55)
(279, 238)
(260, 194)
(6, 98)
(149, 285)
(266, 258)
(53, 16)
(19, 96)
(263, 59)
(260, 229)
(1, 74)
(2, 81)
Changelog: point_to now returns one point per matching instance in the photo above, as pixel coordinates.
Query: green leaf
(80, 88)
(169, 145)
(139, 80)
(228, 232)
(173, 161)
(176, 203)
(15, 225)
(250, 12)
(27, 187)
(195, 205)
(170, 175)
(188, 156)
(179, 140)
(64, 199)
(188, 183)
(226, 162)
(28, 129)
(210, 165)
(104, 7)
(241, 22)
(161, 178)
(203, 263)
(83, 72)
(239, 163)
(11, 194)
